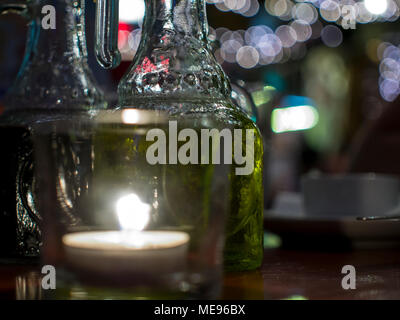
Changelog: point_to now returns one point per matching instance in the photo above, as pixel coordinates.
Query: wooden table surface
(317, 275)
(285, 274)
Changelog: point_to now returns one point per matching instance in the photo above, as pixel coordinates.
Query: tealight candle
(126, 251)
(129, 250)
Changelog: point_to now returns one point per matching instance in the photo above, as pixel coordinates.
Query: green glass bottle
(175, 71)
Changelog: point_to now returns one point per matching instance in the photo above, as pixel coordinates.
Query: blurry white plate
(299, 225)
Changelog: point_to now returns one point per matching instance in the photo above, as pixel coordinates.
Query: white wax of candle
(126, 251)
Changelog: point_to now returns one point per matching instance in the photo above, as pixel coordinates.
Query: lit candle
(130, 250)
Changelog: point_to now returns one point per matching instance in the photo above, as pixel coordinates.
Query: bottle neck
(63, 32)
(54, 72)
(179, 16)
(173, 61)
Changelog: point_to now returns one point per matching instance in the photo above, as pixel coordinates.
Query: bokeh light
(389, 69)
(247, 8)
(376, 6)
(363, 15)
(247, 57)
(392, 12)
(303, 30)
(293, 118)
(287, 41)
(252, 10)
(279, 8)
(287, 35)
(331, 36)
(254, 34)
(330, 10)
(269, 45)
(305, 12)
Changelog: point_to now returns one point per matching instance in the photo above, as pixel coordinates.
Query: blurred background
(320, 77)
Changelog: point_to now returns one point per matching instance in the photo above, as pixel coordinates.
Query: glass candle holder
(133, 205)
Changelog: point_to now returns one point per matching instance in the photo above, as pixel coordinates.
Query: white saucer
(300, 225)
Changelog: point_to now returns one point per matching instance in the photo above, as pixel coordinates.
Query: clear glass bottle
(175, 71)
(53, 82)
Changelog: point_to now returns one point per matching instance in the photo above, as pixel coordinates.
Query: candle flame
(133, 214)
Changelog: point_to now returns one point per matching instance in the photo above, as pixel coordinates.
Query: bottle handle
(106, 33)
(16, 6)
